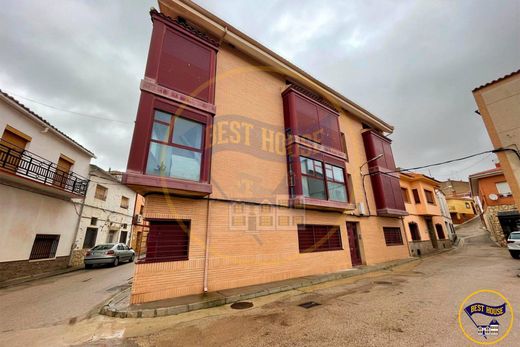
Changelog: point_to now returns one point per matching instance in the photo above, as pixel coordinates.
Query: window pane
(337, 191)
(173, 162)
(186, 164)
(338, 174)
(318, 168)
(305, 164)
(160, 132)
(313, 187)
(187, 133)
(163, 117)
(328, 170)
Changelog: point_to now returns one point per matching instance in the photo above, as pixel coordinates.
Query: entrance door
(353, 243)
(431, 233)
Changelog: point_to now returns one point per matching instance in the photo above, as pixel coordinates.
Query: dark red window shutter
(185, 66)
(319, 238)
(168, 241)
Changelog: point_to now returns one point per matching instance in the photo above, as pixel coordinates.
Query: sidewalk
(119, 306)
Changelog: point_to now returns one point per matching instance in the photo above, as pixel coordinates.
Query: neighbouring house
(445, 212)
(461, 209)
(425, 224)
(494, 195)
(252, 170)
(139, 228)
(106, 214)
(455, 188)
(498, 104)
(43, 179)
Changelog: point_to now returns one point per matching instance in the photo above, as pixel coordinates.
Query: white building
(445, 211)
(106, 215)
(43, 179)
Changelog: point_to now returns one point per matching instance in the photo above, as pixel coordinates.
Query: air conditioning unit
(138, 219)
(362, 210)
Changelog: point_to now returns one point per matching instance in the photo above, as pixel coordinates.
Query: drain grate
(241, 305)
(309, 304)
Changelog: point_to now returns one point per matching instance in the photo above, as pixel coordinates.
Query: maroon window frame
(393, 236)
(416, 197)
(414, 231)
(319, 238)
(323, 167)
(440, 231)
(429, 196)
(168, 240)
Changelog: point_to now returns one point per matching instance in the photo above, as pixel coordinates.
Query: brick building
(425, 224)
(252, 170)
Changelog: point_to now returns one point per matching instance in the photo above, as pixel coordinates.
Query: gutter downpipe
(77, 224)
(206, 252)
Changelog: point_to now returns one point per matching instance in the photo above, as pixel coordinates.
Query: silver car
(109, 253)
(513, 244)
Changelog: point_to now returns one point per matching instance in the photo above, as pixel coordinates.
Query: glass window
(170, 158)
(503, 188)
(187, 133)
(338, 174)
(160, 132)
(337, 191)
(313, 187)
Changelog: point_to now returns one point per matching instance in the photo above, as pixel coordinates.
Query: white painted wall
(23, 213)
(48, 145)
(110, 214)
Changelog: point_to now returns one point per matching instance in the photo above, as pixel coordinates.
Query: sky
(412, 63)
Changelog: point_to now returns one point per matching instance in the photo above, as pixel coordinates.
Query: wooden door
(11, 150)
(431, 233)
(353, 242)
(62, 172)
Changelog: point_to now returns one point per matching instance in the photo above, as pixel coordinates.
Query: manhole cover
(241, 305)
(309, 304)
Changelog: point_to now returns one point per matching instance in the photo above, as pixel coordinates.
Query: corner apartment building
(106, 214)
(498, 104)
(425, 224)
(250, 167)
(493, 193)
(43, 178)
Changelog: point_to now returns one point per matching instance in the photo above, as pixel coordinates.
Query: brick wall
(23, 268)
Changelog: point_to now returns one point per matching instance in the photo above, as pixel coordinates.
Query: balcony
(21, 167)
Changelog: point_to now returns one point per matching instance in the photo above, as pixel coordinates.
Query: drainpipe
(78, 223)
(206, 253)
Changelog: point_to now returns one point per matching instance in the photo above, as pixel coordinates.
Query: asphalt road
(412, 305)
(60, 299)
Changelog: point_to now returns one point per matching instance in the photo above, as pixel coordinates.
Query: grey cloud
(412, 63)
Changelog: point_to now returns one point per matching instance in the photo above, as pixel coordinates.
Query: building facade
(455, 189)
(106, 214)
(139, 228)
(43, 179)
(494, 195)
(445, 212)
(425, 224)
(461, 209)
(499, 104)
(250, 167)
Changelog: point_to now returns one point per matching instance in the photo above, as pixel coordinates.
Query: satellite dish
(493, 197)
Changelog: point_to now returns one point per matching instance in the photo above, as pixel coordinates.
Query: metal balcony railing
(23, 163)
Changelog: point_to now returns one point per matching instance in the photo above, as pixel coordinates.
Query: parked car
(513, 244)
(109, 253)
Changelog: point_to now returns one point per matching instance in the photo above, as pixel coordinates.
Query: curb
(219, 299)
(21, 280)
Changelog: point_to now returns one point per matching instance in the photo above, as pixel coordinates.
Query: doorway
(353, 243)
(431, 233)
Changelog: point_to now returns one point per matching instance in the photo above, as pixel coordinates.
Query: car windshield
(103, 247)
(514, 236)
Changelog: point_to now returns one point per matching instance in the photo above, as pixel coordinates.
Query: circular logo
(486, 317)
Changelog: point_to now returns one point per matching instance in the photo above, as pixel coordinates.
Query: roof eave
(226, 32)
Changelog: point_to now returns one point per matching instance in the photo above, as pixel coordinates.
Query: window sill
(43, 259)
(318, 204)
(144, 184)
(394, 244)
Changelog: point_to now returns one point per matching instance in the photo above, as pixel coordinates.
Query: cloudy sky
(413, 63)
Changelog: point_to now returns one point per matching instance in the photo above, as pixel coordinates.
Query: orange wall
(487, 185)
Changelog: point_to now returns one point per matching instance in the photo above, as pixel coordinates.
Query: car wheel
(116, 262)
(515, 255)
(132, 258)
(88, 266)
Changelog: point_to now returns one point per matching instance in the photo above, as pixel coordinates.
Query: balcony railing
(25, 164)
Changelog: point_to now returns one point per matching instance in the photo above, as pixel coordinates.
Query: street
(60, 299)
(414, 303)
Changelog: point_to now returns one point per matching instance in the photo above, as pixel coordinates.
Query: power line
(69, 111)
